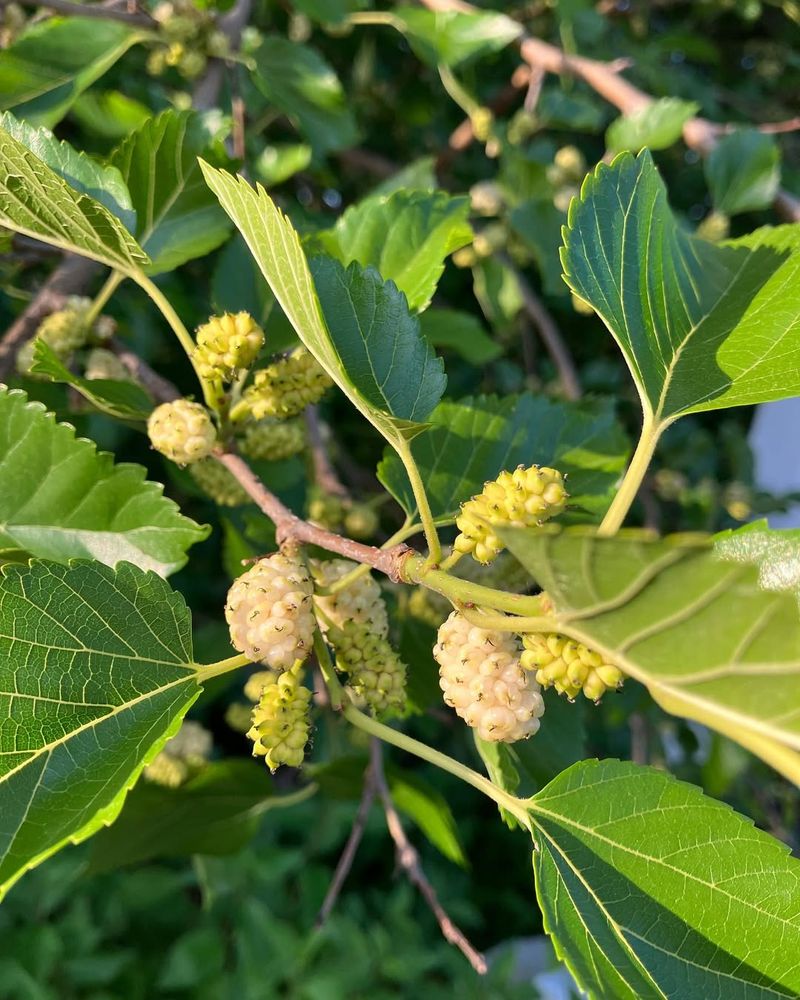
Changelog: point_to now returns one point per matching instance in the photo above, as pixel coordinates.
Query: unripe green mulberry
(327, 510)
(182, 431)
(482, 679)
(104, 364)
(167, 771)
(227, 345)
(568, 666)
(284, 388)
(281, 721)
(361, 521)
(255, 683)
(272, 440)
(182, 756)
(522, 498)
(359, 602)
(377, 675)
(64, 331)
(214, 479)
(239, 716)
(270, 612)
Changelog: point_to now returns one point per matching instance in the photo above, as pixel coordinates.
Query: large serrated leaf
(36, 201)
(178, 218)
(96, 672)
(651, 891)
(702, 326)
(697, 629)
(276, 247)
(100, 181)
(53, 62)
(472, 441)
(406, 236)
(60, 498)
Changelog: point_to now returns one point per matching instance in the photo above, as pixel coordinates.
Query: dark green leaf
(460, 332)
(538, 224)
(96, 673)
(237, 283)
(500, 762)
(743, 171)
(428, 808)
(110, 113)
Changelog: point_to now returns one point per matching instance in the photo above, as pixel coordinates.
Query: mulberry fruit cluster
(103, 364)
(227, 345)
(522, 498)
(270, 612)
(271, 440)
(182, 756)
(64, 331)
(482, 679)
(214, 480)
(281, 722)
(188, 36)
(182, 430)
(377, 675)
(568, 666)
(360, 602)
(287, 386)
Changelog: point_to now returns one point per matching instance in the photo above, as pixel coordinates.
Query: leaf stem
(112, 282)
(456, 91)
(632, 481)
(403, 449)
(335, 690)
(414, 570)
(438, 759)
(205, 671)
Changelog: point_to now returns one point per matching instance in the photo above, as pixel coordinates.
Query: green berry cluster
(182, 756)
(182, 430)
(568, 666)
(281, 721)
(271, 440)
(216, 482)
(287, 386)
(377, 675)
(356, 519)
(187, 37)
(227, 346)
(64, 331)
(523, 498)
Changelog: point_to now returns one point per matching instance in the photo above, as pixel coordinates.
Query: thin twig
(142, 20)
(160, 388)
(347, 857)
(550, 334)
(408, 859)
(324, 472)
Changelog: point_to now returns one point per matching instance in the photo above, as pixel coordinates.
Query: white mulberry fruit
(104, 364)
(359, 602)
(281, 722)
(481, 678)
(568, 666)
(287, 386)
(270, 612)
(214, 480)
(182, 430)
(377, 675)
(227, 345)
(522, 498)
(271, 440)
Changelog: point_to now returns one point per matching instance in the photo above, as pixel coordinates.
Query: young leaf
(276, 247)
(62, 499)
(100, 181)
(472, 441)
(743, 171)
(35, 201)
(96, 673)
(405, 236)
(500, 762)
(708, 642)
(54, 61)
(297, 81)
(109, 113)
(657, 126)
(702, 326)
(651, 890)
(429, 809)
(125, 400)
(453, 37)
(461, 332)
(178, 217)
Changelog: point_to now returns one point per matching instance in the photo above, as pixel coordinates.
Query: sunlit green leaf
(743, 171)
(658, 125)
(453, 37)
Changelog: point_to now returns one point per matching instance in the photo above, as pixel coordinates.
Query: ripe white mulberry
(522, 498)
(377, 675)
(227, 345)
(281, 721)
(568, 666)
(182, 430)
(222, 486)
(270, 612)
(481, 678)
(271, 440)
(359, 602)
(287, 386)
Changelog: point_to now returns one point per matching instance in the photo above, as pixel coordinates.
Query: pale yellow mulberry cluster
(227, 346)
(64, 331)
(188, 36)
(359, 602)
(281, 722)
(568, 666)
(523, 498)
(287, 386)
(181, 757)
(376, 674)
(182, 430)
(270, 612)
(271, 440)
(481, 677)
(214, 480)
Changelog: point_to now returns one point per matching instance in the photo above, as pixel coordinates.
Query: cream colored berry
(377, 675)
(287, 386)
(255, 683)
(481, 678)
(361, 521)
(182, 430)
(103, 364)
(568, 666)
(214, 479)
(359, 602)
(281, 721)
(327, 510)
(523, 498)
(271, 440)
(227, 345)
(270, 612)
